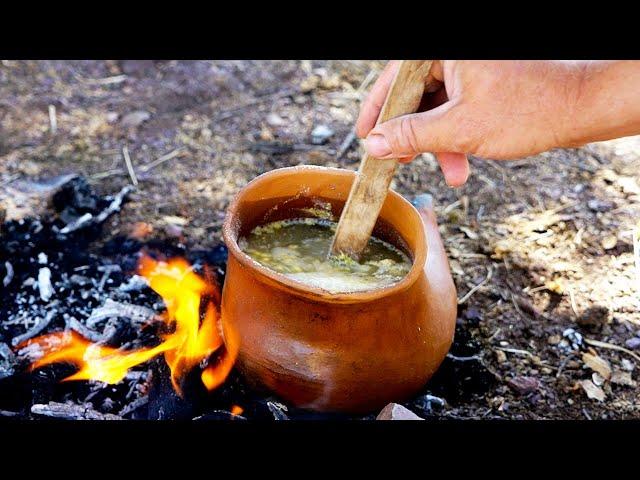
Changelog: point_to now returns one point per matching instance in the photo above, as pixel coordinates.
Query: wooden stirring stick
(371, 185)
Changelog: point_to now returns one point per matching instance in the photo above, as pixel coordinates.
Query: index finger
(370, 109)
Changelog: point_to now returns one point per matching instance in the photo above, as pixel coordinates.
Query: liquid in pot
(298, 248)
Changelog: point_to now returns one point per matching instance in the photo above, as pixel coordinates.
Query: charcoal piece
(165, 403)
(429, 404)
(75, 198)
(7, 361)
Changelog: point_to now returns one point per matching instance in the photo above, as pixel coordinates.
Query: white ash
(134, 284)
(111, 309)
(44, 284)
(9, 275)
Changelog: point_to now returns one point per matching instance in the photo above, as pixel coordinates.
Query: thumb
(439, 130)
(435, 130)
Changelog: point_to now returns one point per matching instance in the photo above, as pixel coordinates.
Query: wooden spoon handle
(374, 176)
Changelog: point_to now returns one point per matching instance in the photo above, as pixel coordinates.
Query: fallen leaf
(593, 392)
(623, 378)
(597, 364)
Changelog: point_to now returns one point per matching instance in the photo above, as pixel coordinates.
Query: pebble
(275, 120)
(633, 343)
(524, 385)
(627, 365)
(134, 119)
(395, 411)
(321, 134)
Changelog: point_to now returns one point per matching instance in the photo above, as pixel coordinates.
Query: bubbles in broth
(298, 248)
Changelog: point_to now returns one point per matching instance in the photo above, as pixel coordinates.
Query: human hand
(493, 109)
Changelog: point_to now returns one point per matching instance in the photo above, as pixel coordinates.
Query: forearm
(606, 104)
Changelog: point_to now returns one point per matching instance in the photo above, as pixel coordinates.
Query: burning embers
(191, 333)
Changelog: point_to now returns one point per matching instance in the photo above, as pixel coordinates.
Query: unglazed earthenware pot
(348, 352)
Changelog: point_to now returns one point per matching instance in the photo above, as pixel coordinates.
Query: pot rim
(301, 289)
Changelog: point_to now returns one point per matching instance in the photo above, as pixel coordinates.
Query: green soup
(298, 248)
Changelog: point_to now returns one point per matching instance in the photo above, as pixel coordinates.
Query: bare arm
(506, 110)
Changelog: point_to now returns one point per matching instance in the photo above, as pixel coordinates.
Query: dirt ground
(536, 246)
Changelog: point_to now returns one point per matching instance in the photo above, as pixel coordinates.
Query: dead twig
(53, 121)
(127, 162)
(164, 158)
(475, 289)
(611, 346)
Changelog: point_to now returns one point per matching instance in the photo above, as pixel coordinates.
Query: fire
(191, 342)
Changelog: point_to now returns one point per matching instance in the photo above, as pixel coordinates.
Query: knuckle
(408, 139)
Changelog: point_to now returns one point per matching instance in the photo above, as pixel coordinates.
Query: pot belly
(335, 357)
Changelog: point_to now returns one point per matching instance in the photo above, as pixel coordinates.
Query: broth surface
(298, 248)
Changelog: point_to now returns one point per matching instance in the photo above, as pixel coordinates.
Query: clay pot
(350, 352)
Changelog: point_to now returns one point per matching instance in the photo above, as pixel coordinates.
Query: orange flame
(190, 343)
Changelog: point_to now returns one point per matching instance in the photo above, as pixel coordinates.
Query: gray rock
(395, 411)
(135, 119)
(633, 343)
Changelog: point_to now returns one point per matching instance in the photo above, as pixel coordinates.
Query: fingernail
(377, 146)
(423, 202)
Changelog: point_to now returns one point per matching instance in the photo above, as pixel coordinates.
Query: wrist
(603, 101)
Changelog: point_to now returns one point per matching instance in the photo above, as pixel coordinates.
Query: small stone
(628, 365)
(501, 357)
(554, 339)
(320, 134)
(633, 343)
(173, 230)
(42, 258)
(275, 120)
(524, 385)
(623, 378)
(135, 119)
(597, 379)
(593, 391)
(473, 315)
(599, 205)
(609, 242)
(309, 84)
(394, 411)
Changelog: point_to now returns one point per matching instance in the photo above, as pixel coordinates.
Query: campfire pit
(63, 276)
